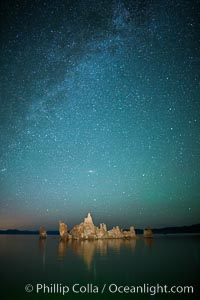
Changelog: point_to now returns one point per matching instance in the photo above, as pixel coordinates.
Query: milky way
(99, 113)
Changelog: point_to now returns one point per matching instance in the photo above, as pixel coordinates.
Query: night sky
(99, 113)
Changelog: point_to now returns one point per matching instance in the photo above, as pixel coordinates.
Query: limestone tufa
(87, 230)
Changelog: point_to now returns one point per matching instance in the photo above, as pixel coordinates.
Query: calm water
(172, 260)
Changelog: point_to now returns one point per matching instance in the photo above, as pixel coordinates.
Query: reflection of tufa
(88, 248)
(43, 233)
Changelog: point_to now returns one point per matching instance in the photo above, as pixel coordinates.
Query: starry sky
(99, 113)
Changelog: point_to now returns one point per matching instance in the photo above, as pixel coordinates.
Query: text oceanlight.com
(112, 288)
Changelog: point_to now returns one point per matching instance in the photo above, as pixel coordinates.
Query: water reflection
(118, 245)
(42, 248)
(148, 242)
(88, 249)
(62, 249)
(118, 261)
(85, 249)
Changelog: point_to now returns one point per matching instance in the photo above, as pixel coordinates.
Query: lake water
(165, 260)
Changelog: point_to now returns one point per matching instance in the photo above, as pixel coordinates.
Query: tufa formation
(148, 233)
(63, 231)
(88, 231)
(43, 233)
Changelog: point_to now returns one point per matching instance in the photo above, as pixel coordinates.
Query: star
(91, 171)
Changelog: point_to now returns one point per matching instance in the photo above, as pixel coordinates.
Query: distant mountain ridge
(30, 232)
(195, 228)
(166, 230)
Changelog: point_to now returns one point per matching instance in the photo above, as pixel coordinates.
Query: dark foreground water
(88, 266)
